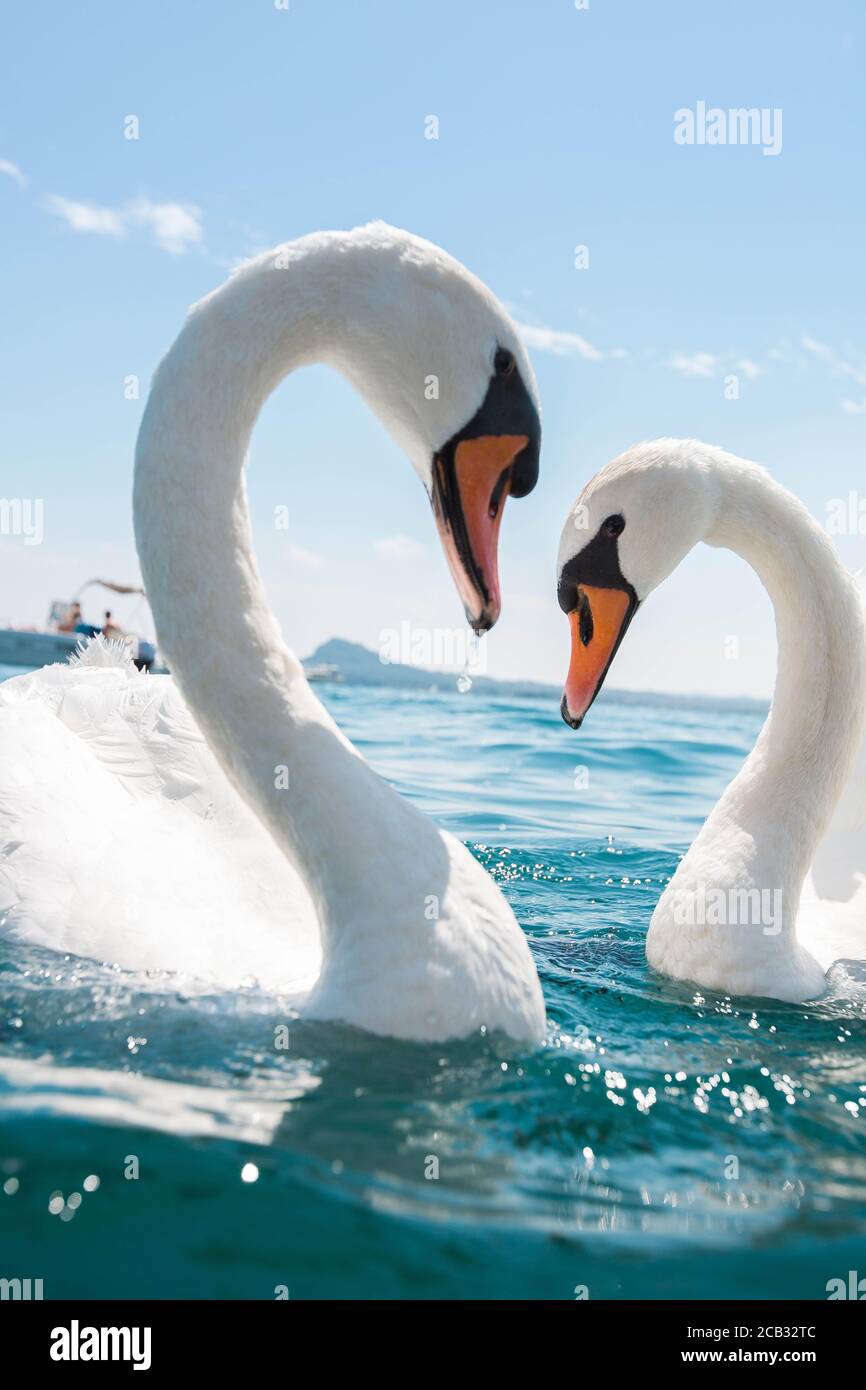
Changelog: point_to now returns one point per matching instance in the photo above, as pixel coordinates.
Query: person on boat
(110, 627)
(71, 618)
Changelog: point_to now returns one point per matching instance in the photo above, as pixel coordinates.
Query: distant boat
(30, 648)
(33, 647)
(322, 671)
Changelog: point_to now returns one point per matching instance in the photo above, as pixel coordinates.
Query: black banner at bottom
(65, 1338)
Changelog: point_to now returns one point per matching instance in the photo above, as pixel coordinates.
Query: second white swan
(772, 892)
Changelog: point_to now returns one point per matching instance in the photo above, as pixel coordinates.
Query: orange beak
(469, 493)
(598, 624)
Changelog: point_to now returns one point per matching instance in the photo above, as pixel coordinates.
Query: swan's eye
(503, 362)
(614, 526)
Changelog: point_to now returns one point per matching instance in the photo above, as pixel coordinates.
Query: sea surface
(664, 1142)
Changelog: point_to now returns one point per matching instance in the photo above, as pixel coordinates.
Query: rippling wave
(663, 1143)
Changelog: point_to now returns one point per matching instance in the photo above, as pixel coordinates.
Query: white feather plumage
(142, 833)
(765, 834)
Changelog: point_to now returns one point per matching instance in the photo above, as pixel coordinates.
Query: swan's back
(122, 839)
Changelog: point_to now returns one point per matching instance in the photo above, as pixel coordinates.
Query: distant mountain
(363, 667)
(360, 666)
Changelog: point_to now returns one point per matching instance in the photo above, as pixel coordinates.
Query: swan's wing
(840, 861)
(136, 727)
(121, 838)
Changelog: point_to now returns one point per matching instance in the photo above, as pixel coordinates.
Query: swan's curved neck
(325, 807)
(765, 829)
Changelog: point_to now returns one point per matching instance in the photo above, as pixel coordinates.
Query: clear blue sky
(556, 129)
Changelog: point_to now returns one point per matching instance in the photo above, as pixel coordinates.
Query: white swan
(146, 820)
(740, 914)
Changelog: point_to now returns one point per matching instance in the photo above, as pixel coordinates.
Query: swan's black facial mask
(494, 455)
(600, 603)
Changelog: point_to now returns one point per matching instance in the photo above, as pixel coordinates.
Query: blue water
(663, 1143)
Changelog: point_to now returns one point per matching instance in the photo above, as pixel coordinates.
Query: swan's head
(444, 367)
(492, 456)
(628, 530)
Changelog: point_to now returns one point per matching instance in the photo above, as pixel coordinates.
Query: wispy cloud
(399, 547)
(307, 559)
(857, 371)
(86, 217)
(710, 364)
(750, 369)
(695, 363)
(561, 342)
(11, 170)
(817, 349)
(706, 365)
(175, 227)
